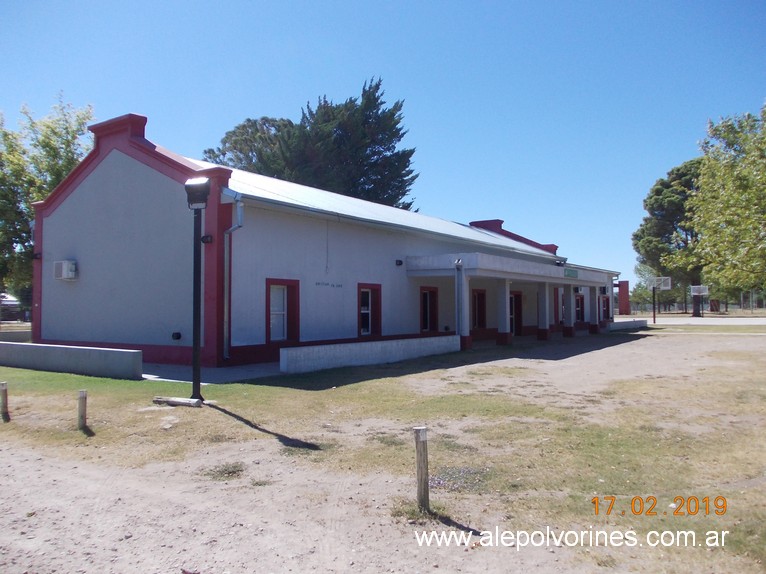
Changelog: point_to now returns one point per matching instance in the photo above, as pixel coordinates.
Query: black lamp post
(197, 192)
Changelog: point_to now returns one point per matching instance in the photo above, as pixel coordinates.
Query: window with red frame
(369, 309)
(282, 310)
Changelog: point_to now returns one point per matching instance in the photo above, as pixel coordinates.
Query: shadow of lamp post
(197, 192)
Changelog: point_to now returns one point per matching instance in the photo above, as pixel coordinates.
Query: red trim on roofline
(496, 226)
(126, 134)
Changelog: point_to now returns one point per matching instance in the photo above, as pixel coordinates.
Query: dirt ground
(287, 515)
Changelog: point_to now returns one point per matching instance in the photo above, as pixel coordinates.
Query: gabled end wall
(100, 213)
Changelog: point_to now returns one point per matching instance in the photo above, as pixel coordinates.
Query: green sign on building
(570, 273)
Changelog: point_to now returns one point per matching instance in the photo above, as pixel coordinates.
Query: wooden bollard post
(82, 423)
(4, 402)
(421, 456)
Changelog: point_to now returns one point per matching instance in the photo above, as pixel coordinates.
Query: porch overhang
(553, 270)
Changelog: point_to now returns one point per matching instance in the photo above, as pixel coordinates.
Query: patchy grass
(410, 511)
(697, 435)
(387, 439)
(450, 443)
(494, 371)
(225, 471)
(460, 479)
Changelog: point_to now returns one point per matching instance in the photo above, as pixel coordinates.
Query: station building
(290, 273)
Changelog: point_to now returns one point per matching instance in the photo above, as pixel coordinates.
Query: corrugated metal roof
(300, 196)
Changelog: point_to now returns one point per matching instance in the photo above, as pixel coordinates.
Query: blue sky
(554, 116)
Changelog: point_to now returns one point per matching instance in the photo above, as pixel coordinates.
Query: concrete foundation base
(318, 357)
(92, 361)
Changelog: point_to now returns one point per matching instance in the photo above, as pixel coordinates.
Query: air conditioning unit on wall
(65, 270)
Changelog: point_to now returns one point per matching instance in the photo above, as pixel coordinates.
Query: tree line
(706, 221)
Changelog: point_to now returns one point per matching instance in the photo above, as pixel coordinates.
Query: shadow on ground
(285, 440)
(450, 523)
(523, 348)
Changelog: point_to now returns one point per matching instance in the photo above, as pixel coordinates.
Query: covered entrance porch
(500, 297)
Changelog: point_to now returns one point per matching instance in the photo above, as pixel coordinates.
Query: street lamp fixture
(197, 193)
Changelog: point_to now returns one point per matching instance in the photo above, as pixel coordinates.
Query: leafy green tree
(666, 238)
(348, 148)
(729, 210)
(641, 296)
(33, 161)
(15, 181)
(642, 290)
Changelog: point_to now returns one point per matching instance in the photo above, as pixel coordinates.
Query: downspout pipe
(240, 214)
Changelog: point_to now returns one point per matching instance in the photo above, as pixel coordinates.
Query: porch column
(609, 318)
(569, 311)
(543, 312)
(463, 306)
(504, 336)
(593, 310)
(610, 295)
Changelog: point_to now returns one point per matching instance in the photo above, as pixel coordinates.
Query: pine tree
(348, 148)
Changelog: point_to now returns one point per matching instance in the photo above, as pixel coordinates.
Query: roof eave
(388, 225)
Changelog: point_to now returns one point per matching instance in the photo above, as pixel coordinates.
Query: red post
(623, 297)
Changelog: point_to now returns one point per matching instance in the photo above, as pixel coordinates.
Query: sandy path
(76, 517)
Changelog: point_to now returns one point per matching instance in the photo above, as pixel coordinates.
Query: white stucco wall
(329, 257)
(307, 359)
(129, 229)
(528, 302)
